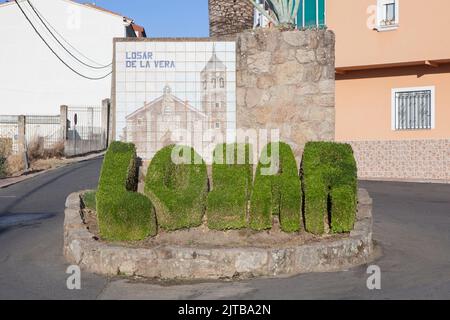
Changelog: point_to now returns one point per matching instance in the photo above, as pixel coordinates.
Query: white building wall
(32, 79)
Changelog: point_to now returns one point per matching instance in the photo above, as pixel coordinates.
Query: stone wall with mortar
(228, 17)
(286, 81)
(170, 261)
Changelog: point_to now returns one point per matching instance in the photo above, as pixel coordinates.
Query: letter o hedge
(178, 191)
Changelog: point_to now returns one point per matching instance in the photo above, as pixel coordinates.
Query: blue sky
(164, 18)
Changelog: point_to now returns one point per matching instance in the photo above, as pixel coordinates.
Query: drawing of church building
(170, 120)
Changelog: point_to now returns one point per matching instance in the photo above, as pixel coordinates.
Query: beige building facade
(393, 86)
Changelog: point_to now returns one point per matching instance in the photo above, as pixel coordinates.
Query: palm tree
(284, 12)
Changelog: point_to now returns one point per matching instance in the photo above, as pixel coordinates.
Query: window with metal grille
(413, 109)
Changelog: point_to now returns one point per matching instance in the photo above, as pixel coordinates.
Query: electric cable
(59, 42)
(53, 51)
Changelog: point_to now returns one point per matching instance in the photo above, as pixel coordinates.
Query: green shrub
(232, 176)
(178, 191)
(5, 151)
(329, 176)
(2, 166)
(123, 214)
(277, 193)
(89, 199)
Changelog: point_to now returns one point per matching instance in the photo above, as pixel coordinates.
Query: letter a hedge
(276, 192)
(178, 191)
(123, 214)
(330, 187)
(232, 184)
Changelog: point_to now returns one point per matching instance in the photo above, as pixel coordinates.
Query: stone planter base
(189, 263)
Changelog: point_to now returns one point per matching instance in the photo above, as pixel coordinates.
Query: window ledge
(387, 28)
(413, 130)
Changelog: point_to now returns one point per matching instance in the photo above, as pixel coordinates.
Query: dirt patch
(202, 237)
(45, 164)
(37, 150)
(15, 165)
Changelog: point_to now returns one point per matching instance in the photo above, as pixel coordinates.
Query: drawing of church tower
(214, 94)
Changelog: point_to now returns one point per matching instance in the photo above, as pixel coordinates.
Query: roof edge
(431, 63)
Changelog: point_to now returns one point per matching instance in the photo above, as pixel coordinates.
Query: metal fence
(85, 133)
(76, 131)
(9, 134)
(44, 131)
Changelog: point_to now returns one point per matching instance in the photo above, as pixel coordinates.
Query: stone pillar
(63, 122)
(228, 17)
(21, 137)
(112, 123)
(106, 120)
(22, 141)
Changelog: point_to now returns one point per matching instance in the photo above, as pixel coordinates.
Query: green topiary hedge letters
(123, 214)
(276, 193)
(330, 187)
(178, 191)
(232, 176)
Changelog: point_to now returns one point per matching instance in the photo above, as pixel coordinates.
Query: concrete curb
(7, 182)
(187, 263)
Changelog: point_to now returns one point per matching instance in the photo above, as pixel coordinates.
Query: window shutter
(311, 13)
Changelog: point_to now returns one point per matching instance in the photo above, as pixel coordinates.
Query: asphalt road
(31, 218)
(412, 224)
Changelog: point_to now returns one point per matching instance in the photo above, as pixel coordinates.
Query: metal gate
(85, 133)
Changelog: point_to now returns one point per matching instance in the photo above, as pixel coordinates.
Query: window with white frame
(413, 108)
(388, 14)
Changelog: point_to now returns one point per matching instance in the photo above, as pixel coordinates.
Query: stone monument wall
(286, 81)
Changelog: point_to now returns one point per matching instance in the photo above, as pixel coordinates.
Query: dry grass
(15, 164)
(37, 151)
(39, 157)
(6, 145)
(5, 150)
(57, 151)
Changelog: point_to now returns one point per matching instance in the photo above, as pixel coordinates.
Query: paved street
(31, 217)
(412, 223)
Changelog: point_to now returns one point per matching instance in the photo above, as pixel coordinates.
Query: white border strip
(394, 108)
